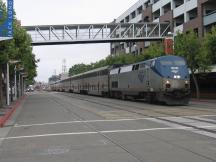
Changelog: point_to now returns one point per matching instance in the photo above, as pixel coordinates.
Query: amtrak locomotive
(164, 79)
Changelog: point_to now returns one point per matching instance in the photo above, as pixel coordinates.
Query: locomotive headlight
(186, 84)
(168, 84)
(177, 76)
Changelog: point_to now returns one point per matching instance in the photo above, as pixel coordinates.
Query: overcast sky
(46, 12)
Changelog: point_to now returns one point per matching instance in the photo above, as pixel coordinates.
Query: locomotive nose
(173, 84)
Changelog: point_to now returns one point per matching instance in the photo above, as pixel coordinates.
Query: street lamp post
(8, 79)
(23, 76)
(15, 83)
(7, 85)
(19, 81)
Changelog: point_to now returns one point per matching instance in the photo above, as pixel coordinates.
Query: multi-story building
(184, 15)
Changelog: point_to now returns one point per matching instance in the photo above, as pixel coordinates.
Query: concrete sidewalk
(6, 112)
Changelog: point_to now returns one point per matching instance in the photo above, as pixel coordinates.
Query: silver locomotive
(164, 79)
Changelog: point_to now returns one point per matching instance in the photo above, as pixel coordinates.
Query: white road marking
(94, 121)
(48, 135)
(103, 132)
(191, 122)
(80, 121)
(143, 130)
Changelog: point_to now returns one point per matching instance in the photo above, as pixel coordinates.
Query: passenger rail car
(165, 79)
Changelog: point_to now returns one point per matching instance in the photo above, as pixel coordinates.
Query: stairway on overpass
(96, 33)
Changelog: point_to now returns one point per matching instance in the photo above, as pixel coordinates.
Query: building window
(192, 14)
(196, 30)
(127, 19)
(178, 3)
(166, 8)
(146, 19)
(133, 14)
(146, 5)
(156, 14)
(179, 20)
(139, 10)
(155, 1)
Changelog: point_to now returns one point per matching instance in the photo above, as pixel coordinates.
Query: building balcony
(167, 17)
(156, 6)
(209, 19)
(136, 19)
(187, 6)
(192, 24)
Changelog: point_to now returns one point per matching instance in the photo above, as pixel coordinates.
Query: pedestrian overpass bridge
(96, 33)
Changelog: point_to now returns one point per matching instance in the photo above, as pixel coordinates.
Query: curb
(8, 114)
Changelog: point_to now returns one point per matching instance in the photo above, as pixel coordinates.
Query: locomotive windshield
(171, 67)
(173, 63)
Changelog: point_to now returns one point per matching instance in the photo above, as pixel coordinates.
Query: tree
(18, 48)
(78, 68)
(210, 44)
(154, 50)
(6, 47)
(189, 46)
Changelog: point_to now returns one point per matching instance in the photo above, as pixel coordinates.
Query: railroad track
(133, 154)
(119, 107)
(92, 127)
(120, 104)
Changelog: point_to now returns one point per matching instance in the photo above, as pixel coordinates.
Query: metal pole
(7, 85)
(21, 86)
(15, 84)
(19, 93)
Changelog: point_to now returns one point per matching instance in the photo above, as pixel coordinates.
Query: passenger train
(164, 79)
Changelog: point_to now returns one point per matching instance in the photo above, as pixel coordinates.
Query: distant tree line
(18, 48)
(200, 54)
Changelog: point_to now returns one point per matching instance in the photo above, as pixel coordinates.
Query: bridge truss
(96, 33)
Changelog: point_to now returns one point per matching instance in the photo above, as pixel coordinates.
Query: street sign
(6, 27)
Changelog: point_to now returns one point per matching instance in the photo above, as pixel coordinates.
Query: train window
(126, 69)
(114, 71)
(136, 67)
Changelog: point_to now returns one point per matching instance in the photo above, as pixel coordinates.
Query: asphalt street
(65, 127)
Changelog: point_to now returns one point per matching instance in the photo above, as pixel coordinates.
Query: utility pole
(64, 67)
(8, 85)
(8, 79)
(15, 83)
